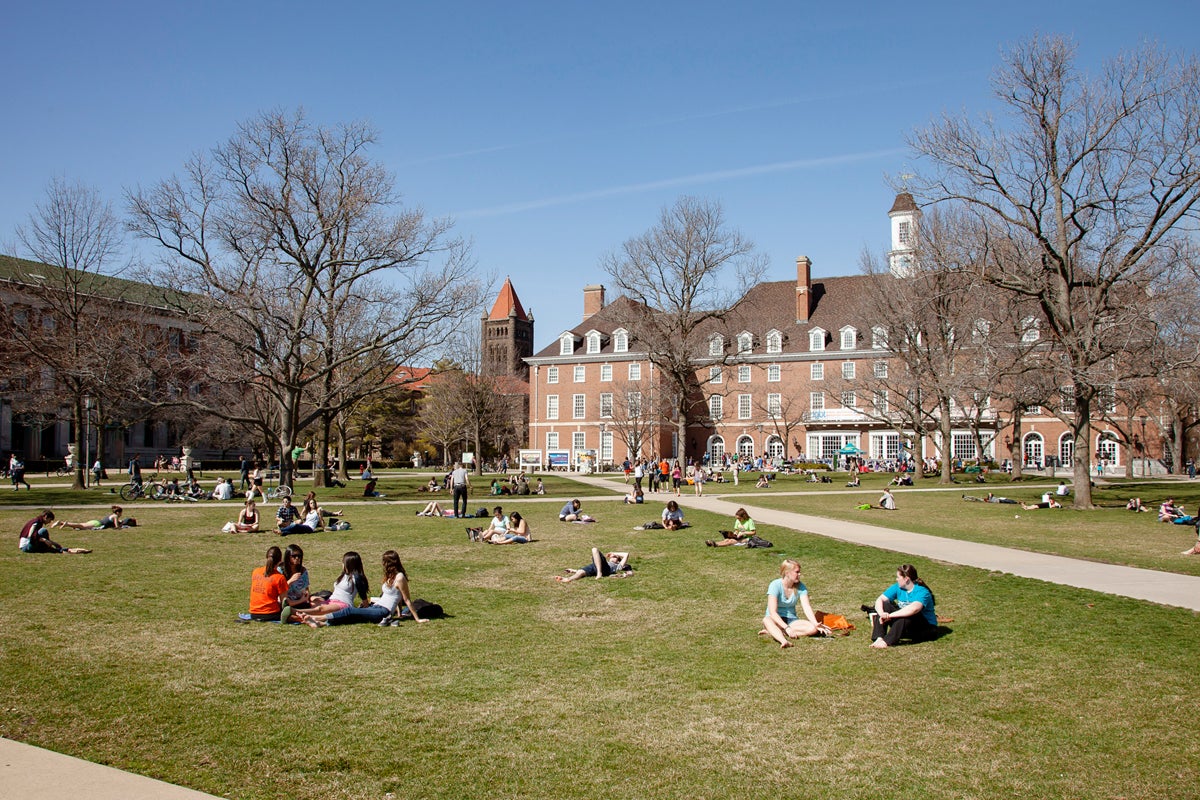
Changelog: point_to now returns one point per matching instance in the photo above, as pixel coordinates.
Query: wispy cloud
(683, 180)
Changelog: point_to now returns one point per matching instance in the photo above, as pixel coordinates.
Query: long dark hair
(910, 572)
(274, 556)
(352, 567)
(293, 551)
(392, 566)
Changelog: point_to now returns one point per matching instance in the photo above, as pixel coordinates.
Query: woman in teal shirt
(905, 609)
(781, 622)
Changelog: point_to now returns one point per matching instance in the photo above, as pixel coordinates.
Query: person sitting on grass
(268, 588)
(247, 521)
(904, 610)
(498, 525)
(636, 496)
(1195, 549)
(352, 581)
(780, 621)
(312, 522)
(743, 529)
(369, 489)
(1135, 504)
(433, 509)
(35, 538)
(764, 482)
(855, 481)
(602, 566)
(518, 531)
(223, 490)
(886, 501)
(1169, 512)
(380, 609)
(672, 516)
(573, 512)
(113, 520)
(293, 571)
(903, 479)
(541, 488)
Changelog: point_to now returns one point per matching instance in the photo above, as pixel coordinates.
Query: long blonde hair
(787, 565)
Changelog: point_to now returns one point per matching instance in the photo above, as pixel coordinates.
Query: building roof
(34, 273)
(904, 202)
(507, 304)
(414, 378)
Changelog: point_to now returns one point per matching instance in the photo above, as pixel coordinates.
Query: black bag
(652, 526)
(425, 609)
(756, 541)
(482, 514)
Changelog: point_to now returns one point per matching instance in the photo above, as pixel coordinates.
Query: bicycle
(279, 492)
(63, 471)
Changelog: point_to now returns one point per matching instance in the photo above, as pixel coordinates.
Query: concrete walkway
(31, 773)
(1166, 588)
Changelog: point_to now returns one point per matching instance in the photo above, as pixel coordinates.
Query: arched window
(620, 341)
(716, 449)
(566, 345)
(849, 338)
(716, 345)
(745, 447)
(774, 447)
(816, 339)
(593, 343)
(1033, 450)
(1066, 450)
(774, 342)
(879, 337)
(1108, 448)
(745, 343)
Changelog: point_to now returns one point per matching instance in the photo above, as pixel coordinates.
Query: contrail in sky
(683, 180)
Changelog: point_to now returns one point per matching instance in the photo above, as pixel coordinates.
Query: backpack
(482, 514)
(338, 525)
(756, 541)
(425, 609)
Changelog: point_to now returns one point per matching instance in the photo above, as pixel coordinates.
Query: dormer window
(566, 345)
(1030, 331)
(716, 345)
(879, 338)
(774, 342)
(816, 339)
(849, 338)
(593, 342)
(745, 343)
(620, 341)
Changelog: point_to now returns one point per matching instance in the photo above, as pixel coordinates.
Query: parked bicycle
(147, 489)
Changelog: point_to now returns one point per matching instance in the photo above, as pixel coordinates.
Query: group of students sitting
(513, 529)
(279, 592)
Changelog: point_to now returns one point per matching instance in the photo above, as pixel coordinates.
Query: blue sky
(551, 132)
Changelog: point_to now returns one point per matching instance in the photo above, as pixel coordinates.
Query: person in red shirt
(268, 588)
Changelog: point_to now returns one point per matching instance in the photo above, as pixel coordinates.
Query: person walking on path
(460, 485)
(244, 471)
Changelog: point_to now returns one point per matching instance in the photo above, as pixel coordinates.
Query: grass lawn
(1108, 533)
(650, 686)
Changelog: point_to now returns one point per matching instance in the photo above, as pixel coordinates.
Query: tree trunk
(342, 475)
(947, 464)
(80, 458)
(1081, 432)
(1016, 450)
(321, 454)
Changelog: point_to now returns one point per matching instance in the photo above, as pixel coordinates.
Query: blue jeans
(296, 527)
(349, 614)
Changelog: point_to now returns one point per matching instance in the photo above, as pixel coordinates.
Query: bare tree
(287, 231)
(634, 414)
(76, 231)
(784, 413)
(1082, 193)
(678, 274)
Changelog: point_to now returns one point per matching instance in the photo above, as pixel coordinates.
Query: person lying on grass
(743, 529)
(1047, 502)
(517, 533)
(113, 520)
(991, 498)
(602, 566)
(35, 538)
(904, 610)
(780, 621)
(380, 609)
(433, 509)
(1195, 549)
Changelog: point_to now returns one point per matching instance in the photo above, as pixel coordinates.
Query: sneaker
(385, 622)
(470, 535)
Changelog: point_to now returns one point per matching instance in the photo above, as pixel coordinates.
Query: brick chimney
(593, 299)
(803, 288)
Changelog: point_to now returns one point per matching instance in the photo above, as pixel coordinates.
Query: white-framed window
(716, 406)
(962, 445)
(881, 370)
(1033, 411)
(774, 446)
(579, 440)
(605, 373)
(881, 402)
(552, 440)
(816, 371)
(593, 343)
(885, 446)
(773, 373)
(816, 401)
(849, 338)
(849, 400)
(774, 342)
(716, 345)
(902, 232)
(745, 447)
(745, 343)
(635, 371)
(606, 447)
(743, 373)
(980, 330)
(774, 405)
(1108, 447)
(816, 339)
(633, 403)
(847, 370)
(1107, 399)
(606, 405)
(879, 338)
(551, 374)
(580, 373)
(1068, 399)
(578, 406)
(1030, 330)
(714, 374)
(566, 345)
(620, 341)
(551, 406)
(744, 406)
